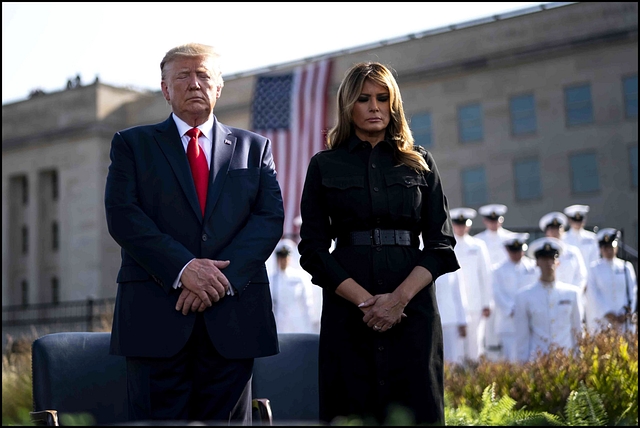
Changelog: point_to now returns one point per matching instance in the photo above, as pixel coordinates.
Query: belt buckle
(376, 237)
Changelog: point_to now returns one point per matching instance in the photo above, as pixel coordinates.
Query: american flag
(290, 109)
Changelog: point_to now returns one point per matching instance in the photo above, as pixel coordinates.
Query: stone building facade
(535, 110)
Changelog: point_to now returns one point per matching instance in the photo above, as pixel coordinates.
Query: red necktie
(199, 167)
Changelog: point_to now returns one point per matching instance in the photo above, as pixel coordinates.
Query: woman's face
(371, 112)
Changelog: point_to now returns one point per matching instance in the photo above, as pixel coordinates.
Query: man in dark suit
(197, 213)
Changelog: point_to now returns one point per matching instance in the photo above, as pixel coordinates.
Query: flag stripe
(293, 146)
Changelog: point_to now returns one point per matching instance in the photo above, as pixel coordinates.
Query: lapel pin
(227, 142)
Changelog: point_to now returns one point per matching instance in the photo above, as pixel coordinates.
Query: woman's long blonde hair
(398, 132)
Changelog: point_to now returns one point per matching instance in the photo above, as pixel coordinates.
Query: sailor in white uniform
(473, 258)
(509, 277)
(452, 315)
(547, 312)
(612, 287)
(493, 236)
(578, 236)
(296, 306)
(572, 268)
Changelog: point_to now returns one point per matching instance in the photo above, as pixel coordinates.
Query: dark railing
(42, 318)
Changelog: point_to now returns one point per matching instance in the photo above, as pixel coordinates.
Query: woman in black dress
(375, 192)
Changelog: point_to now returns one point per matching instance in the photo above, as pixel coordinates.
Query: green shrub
(607, 364)
(16, 384)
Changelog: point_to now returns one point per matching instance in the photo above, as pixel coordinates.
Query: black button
(204, 237)
(375, 189)
(378, 220)
(381, 348)
(380, 282)
(373, 165)
(378, 248)
(381, 383)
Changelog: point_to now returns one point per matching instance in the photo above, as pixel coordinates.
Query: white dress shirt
(473, 258)
(449, 298)
(586, 242)
(295, 305)
(452, 315)
(612, 285)
(205, 141)
(572, 268)
(545, 314)
(495, 244)
(508, 278)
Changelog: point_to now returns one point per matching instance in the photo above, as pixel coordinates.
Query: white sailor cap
(608, 236)
(546, 246)
(516, 241)
(576, 212)
(554, 218)
(285, 247)
(493, 211)
(462, 215)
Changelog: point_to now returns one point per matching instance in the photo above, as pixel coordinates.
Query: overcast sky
(45, 44)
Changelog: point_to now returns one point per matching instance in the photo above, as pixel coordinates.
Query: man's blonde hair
(193, 50)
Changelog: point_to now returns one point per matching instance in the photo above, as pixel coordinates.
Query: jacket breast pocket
(243, 183)
(404, 193)
(345, 192)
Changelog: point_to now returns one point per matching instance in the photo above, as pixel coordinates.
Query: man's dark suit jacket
(153, 214)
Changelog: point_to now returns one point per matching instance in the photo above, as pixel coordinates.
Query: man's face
(547, 264)
(491, 224)
(577, 225)
(608, 251)
(553, 232)
(515, 255)
(460, 229)
(283, 261)
(191, 87)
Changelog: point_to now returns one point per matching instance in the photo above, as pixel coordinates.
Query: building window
(630, 88)
(633, 159)
(523, 115)
(55, 290)
(527, 177)
(24, 289)
(577, 100)
(474, 186)
(54, 185)
(470, 123)
(584, 173)
(421, 129)
(25, 240)
(25, 190)
(54, 236)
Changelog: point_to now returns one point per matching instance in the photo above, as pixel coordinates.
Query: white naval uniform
(495, 244)
(296, 306)
(508, 278)
(612, 285)
(490, 340)
(473, 258)
(572, 269)
(586, 242)
(452, 314)
(546, 314)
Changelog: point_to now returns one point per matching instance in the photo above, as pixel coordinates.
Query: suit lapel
(168, 139)
(222, 150)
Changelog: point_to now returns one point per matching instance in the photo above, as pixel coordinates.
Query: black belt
(377, 237)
